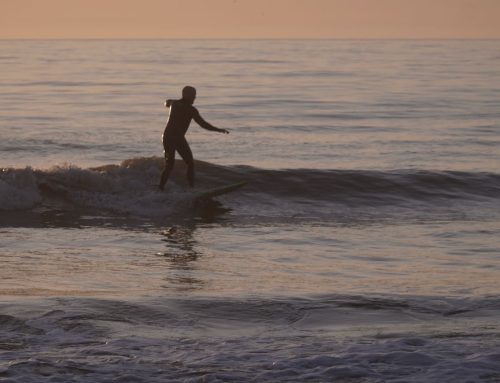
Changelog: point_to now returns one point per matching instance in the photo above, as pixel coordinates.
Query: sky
(249, 19)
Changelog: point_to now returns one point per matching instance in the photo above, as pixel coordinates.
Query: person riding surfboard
(181, 113)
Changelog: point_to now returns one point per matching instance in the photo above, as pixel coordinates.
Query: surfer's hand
(225, 131)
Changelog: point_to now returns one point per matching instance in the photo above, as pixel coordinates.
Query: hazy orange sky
(249, 18)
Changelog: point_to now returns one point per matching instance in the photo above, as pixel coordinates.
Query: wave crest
(129, 188)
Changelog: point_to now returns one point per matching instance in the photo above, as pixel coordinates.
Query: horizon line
(245, 38)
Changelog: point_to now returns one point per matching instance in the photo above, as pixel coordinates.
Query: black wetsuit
(181, 114)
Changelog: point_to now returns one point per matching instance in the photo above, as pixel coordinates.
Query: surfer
(181, 113)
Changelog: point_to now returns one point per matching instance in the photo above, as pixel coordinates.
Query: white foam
(18, 189)
(144, 204)
(127, 189)
(176, 340)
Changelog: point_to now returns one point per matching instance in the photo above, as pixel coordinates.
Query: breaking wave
(129, 188)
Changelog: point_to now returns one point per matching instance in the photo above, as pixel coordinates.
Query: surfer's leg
(186, 154)
(169, 164)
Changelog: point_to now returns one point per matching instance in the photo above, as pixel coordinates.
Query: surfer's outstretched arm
(168, 103)
(205, 125)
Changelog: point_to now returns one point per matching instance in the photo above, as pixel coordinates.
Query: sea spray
(18, 189)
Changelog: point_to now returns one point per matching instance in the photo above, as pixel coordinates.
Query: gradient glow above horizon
(249, 19)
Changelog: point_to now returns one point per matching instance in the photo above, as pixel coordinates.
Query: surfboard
(219, 191)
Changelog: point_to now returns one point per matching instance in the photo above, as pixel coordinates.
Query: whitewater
(364, 246)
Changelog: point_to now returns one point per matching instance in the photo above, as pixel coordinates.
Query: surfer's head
(189, 94)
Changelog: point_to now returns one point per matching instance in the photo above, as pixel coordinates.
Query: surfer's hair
(188, 92)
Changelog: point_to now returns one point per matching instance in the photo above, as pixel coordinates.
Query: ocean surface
(365, 246)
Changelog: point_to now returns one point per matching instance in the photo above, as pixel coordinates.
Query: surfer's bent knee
(169, 162)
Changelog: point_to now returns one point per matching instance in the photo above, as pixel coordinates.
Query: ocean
(365, 246)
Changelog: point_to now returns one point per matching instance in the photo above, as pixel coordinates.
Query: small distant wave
(129, 188)
(44, 145)
(74, 84)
